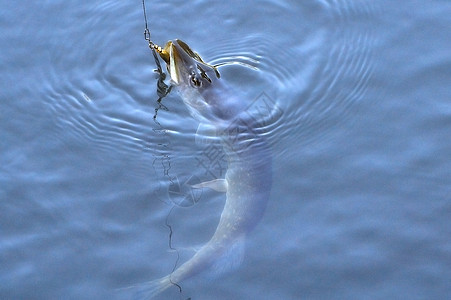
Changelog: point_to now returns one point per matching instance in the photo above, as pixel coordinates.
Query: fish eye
(195, 81)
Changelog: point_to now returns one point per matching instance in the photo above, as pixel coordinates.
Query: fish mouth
(180, 59)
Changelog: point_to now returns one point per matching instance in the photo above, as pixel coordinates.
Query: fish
(248, 179)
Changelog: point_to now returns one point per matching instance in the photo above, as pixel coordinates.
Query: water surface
(359, 128)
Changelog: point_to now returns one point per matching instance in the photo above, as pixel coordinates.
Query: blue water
(360, 116)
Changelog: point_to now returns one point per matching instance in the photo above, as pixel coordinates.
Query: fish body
(248, 178)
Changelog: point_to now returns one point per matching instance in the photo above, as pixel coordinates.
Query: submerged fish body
(248, 180)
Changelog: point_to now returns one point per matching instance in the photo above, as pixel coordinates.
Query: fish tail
(150, 289)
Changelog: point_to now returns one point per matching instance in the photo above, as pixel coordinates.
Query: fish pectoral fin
(219, 185)
(191, 250)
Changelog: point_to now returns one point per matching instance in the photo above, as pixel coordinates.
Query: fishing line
(146, 31)
(162, 88)
(152, 46)
(174, 249)
(162, 91)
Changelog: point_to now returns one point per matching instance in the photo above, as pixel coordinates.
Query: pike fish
(248, 178)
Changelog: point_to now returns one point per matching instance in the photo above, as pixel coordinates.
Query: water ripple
(106, 101)
(326, 69)
(312, 80)
(335, 75)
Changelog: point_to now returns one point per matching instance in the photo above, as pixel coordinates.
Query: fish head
(186, 67)
(197, 82)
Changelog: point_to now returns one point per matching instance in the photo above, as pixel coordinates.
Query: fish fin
(190, 250)
(205, 134)
(219, 185)
(230, 259)
(148, 290)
